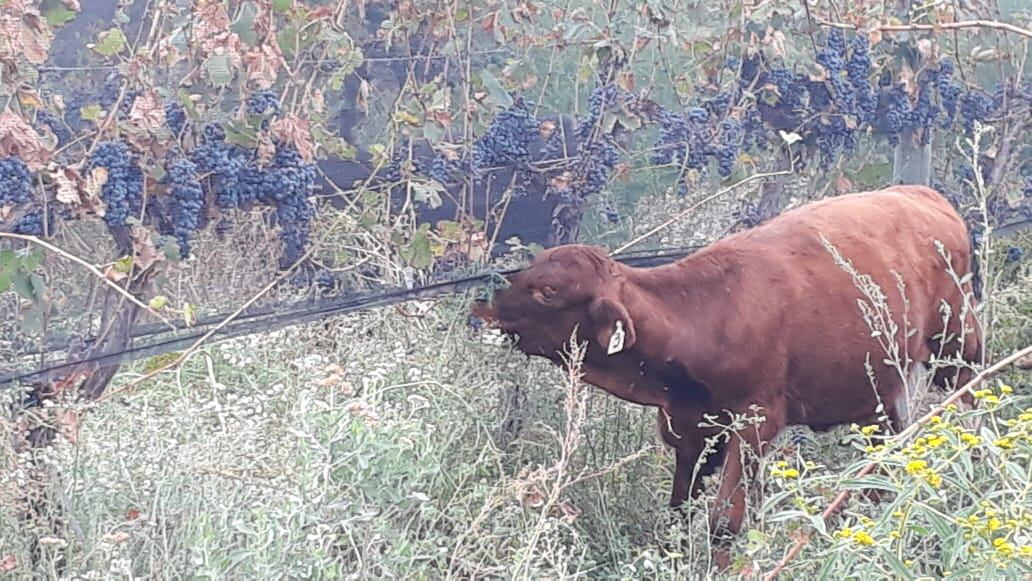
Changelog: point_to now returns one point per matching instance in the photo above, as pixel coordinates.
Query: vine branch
(991, 24)
(92, 269)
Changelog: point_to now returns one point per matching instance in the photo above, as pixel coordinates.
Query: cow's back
(788, 293)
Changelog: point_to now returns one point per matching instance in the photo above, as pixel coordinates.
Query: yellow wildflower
(790, 473)
(916, 466)
(1005, 443)
(935, 420)
(844, 533)
(1003, 547)
(933, 479)
(870, 430)
(1006, 389)
(863, 539)
(782, 464)
(970, 439)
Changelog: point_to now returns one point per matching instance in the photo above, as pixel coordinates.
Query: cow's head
(564, 287)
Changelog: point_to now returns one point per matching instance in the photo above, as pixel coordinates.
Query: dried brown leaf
(145, 254)
(263, 64)
(566, 511)
(116, 537)
(533, 498)
(68, 424)
(18, 138)
(35, 39)
(95, 180)
(67, 186)
(295, 131)
(362, 98)
(8, 563)
(266, 150)
(843, 185)
(147, 113)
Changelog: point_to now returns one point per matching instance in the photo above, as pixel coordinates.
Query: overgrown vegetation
(157, 165)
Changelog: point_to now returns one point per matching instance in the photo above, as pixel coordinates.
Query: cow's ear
(613, 323)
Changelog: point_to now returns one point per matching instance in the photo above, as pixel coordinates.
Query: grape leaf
(219, 69)
(31, 321)
(111, 42)
(287, 40)
(243, 26)
(282, 5)
(59, 16)
(23, 286)
(32, 261)
(90, 112)
(495, 90)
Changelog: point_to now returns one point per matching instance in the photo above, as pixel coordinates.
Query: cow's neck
(693, 285)
(678, 310)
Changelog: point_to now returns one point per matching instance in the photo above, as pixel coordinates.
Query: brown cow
(762, 318)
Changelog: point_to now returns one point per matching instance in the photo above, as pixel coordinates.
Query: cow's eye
(544, 294)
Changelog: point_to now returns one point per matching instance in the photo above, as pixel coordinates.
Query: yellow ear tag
(616, 341)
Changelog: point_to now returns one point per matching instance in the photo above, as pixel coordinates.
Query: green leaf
(59, 16)
(282, 5)
(111, 42)
(23, 286)
(184, 99)
(32, 321)
(242, 135)
(91, 112)
(287, 39)
(7, 260)
(494, 88)
(5, 280)
(32, 261)
(427, 193)
(219, 69)
(243, 26)
(38, 286)
(158, 302)
(422, 255)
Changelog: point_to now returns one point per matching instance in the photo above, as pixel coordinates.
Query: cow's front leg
(742, 455)
(680, 430)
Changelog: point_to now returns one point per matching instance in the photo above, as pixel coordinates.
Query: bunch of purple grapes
(175, 117)
(726, 151)
(264, 102)
(15, 182)
(949, 91)
(683, 139)
(122, 193)
(187, 201)
(508, 137)
(63, 134)
(288, 183)
(229, 176)
(31, 224)
(444, 170)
